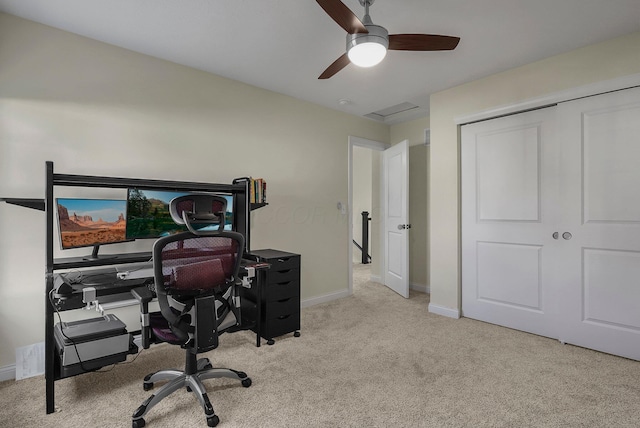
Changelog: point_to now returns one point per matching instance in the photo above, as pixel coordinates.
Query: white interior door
(396, 221)
(599, 281)
(509, 191)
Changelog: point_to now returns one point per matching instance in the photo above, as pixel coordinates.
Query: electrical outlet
(30, 361)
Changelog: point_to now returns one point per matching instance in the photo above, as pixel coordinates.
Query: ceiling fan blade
(337, 65)
(422, 42)
(343, 16)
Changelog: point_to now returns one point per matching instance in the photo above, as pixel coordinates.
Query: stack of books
(258, 190)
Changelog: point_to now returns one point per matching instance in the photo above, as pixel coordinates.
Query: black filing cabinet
(280, 305)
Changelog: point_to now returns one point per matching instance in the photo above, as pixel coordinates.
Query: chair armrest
(142, 294)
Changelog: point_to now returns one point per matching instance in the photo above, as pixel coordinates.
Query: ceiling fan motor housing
(377, 34)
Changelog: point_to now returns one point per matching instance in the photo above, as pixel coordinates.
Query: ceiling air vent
(396, 113)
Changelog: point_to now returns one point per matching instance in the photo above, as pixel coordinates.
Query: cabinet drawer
(279, 276)
(282, 290)
(278, 308)
(274, 327)
(283, 263)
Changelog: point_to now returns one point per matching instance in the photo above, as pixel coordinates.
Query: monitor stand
(94, 255)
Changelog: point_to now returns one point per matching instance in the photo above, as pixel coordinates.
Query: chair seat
(160, 329)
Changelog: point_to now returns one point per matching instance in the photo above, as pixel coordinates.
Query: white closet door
(509, 193)
(599, 278)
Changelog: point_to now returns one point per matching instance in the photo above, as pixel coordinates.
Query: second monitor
(148, 213)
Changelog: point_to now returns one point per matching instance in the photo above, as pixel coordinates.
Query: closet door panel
(610, 299)
(507, 243)
(508, 174)
(599, 284)
(509, 275)
(611, 170)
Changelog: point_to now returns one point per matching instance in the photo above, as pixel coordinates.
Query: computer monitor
(148, 213)
(91, 223)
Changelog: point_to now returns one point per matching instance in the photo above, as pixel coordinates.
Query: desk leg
(260, 283)
(49, 354)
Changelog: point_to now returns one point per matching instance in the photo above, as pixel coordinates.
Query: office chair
(196, 280)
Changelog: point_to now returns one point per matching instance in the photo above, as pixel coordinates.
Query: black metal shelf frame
(242, 208)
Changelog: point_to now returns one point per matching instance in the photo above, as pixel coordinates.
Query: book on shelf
(257, 191)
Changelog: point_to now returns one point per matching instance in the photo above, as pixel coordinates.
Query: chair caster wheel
(246, 382)
(270, 342)
(296, 334)
(147, 386)
(213, 421)
(204, 364)
(138, 423)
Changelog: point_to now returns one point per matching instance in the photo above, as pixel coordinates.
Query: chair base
(193, 382)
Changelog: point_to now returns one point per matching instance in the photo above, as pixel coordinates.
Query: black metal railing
(364, 249)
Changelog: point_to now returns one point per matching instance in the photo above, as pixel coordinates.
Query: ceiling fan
(367, 43)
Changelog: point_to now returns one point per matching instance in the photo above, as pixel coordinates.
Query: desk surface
(105, 282)
(108, 286)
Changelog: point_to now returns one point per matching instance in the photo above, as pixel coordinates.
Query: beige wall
(608, 60)
(97, 109)
(413, 131)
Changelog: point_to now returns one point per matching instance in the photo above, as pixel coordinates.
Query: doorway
(418, 213)
(364, 195)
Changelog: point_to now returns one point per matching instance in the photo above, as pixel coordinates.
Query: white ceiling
(284, 45)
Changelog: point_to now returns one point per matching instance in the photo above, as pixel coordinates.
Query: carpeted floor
(372, 359)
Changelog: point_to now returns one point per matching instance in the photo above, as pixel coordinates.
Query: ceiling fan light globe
(368, 49)
(367, 54)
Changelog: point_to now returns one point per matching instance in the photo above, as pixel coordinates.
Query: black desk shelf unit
(255, 206)
(239, 188)
(280, 301)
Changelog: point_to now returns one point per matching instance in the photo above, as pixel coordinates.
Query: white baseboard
(441, 310)
(414, 286)
(324, 299)
(422, 288)
(7, 372)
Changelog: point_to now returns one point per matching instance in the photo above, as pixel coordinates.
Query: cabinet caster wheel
(138, 423)
(147, 386)
(270, 342)
(296, 334)
(246, 382)
(213, 421)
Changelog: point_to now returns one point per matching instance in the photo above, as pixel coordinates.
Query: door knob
(567, 235)
(555, 235)
(404, 226)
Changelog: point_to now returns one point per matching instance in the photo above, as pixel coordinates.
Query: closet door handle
(555, 235)
(567, 235)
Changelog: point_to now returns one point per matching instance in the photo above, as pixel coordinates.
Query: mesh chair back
(199, 263)
(192, 269)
